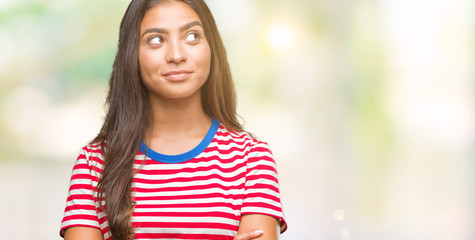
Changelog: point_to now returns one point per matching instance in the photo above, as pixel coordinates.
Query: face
(174, 55)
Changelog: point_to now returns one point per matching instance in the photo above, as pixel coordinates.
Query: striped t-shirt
(200, 194)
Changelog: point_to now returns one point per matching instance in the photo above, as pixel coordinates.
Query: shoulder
(93, 149)
(227, 135)
(254, 146)
(91, 155)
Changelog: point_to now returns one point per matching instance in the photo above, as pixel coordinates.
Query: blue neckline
(184, 156)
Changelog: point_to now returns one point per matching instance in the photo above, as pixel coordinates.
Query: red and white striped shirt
(200, 194)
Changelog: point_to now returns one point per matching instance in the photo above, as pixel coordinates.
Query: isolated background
(368, 106)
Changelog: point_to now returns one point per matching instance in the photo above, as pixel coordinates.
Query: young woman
(171, 160)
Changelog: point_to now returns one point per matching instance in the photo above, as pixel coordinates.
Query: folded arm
(81, 233)
(250, 223)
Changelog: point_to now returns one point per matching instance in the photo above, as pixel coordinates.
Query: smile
(178, 75)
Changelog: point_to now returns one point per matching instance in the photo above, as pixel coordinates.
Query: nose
(175, 52)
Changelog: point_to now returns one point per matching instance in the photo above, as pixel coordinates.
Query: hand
(249, 235)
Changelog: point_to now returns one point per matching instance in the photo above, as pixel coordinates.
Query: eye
(155, 40)
(192, 37)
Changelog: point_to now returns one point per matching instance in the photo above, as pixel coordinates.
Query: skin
(250, 223)
(172, 38)
(81, 233)
(173, 41)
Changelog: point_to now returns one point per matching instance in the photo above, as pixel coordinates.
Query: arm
(81, 233)
(252, 222)
(261, 197)
(80, 219)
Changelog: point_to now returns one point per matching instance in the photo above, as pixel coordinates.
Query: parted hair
(128, 111)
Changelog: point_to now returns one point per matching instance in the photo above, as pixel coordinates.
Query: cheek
(142, 62)
(205, 60)
(147, 62)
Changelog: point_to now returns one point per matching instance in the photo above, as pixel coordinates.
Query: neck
(172, 117)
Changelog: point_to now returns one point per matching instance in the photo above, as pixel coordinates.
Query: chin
(181, 95)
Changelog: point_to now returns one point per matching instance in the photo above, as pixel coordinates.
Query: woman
(171, 160)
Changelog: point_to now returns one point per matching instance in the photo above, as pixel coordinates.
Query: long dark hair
(128, 112)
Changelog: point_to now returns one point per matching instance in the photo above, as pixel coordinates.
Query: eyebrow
(182, 28)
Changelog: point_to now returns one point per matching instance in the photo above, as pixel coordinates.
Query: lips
(177, 75)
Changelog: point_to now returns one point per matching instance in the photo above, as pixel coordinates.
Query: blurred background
(368, 106)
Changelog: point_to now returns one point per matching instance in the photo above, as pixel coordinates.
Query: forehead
(169, 15)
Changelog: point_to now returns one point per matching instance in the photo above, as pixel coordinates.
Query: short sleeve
(262, 194)
(80, 204)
